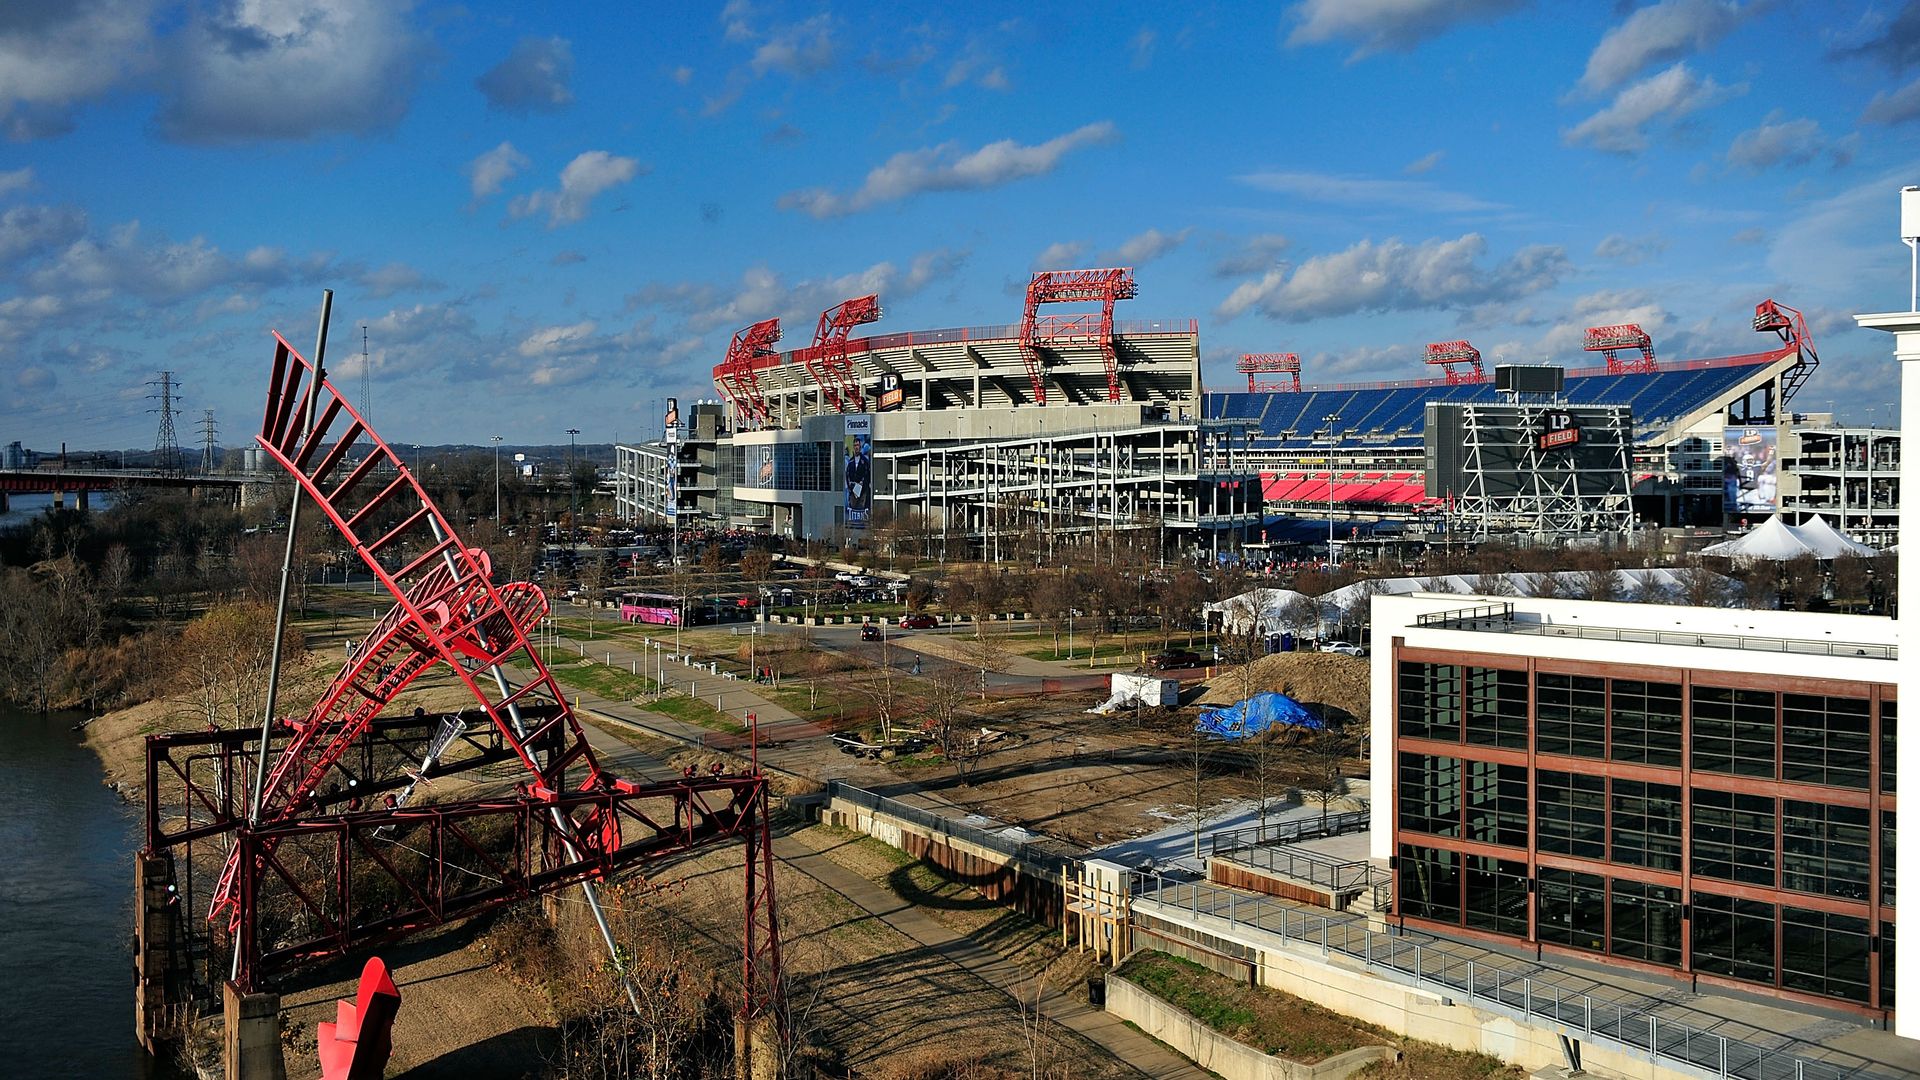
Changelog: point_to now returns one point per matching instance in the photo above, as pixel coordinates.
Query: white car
(1343, 648)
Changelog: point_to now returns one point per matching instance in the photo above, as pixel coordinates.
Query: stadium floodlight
(1910, 235)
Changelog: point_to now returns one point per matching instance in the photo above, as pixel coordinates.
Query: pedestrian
(916, 663)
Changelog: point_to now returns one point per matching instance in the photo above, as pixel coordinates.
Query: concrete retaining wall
(1341, 985)
(1211, 1050)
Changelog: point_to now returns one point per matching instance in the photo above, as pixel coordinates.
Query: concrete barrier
(1211, 1050)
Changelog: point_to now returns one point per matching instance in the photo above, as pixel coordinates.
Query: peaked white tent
(1237, 613)
(1777, 540)
(1829, 542)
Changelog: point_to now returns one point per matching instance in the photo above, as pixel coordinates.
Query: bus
(658, 608)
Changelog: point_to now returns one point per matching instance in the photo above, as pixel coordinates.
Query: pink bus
(657, 608)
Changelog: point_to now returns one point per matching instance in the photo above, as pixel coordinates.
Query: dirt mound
(1344, 682)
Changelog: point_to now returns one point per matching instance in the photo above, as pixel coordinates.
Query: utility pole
(166, 444)
(208, 431)
(366, 379)
(573, 495)
(496, 479)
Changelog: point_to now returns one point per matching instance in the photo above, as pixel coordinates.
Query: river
(66, 907)
(24, 508)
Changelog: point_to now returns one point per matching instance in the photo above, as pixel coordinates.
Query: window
(1646, 722)
(1572, 814)
(1429, 882)
(1573, 909)
(1886, 965)
(787, 466)
(1825, 849)
(1826, 740)
(1572, 715)
(1733, 731)
(1430, 794)
(1733, 837)
(1646, 824)
(1733, 937)
(1886, 857)
(1889, 725)
(1646, 922)
(1497, 895)
(1824, 953)
(1496, 706)
(1430, 701)
(1497, 803)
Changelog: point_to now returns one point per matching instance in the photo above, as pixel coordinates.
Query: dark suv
(1175, 659)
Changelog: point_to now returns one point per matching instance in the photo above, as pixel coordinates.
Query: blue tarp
(1255, 715)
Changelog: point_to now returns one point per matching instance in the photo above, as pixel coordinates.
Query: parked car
(918, 621)
(1175, 660)
(1343, 648)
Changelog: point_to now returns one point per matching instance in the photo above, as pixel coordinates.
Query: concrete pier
(253, 1049)
(153, 915)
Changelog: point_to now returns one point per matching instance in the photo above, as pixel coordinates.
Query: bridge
(80, 483)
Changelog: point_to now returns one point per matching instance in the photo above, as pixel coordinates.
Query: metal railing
(1743, 642)
(1025, 856)
(1535, 995)
(1311, 867)
(1291, 831)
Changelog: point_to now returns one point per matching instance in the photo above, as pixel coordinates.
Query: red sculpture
(357, 1044)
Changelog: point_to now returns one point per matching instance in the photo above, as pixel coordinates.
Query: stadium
(1067, 425)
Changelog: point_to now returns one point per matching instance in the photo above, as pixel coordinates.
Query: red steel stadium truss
(1284, 363)
(1792, 328)
(1069, 286)
(827, 361)
(1448, 353)
(1610, 341)
(738, 376)
(318, 871)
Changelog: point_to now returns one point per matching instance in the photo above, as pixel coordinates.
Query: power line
(208, 430)
(166, 444)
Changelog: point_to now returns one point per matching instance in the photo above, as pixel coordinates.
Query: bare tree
(1852, 581)
(1702, 587)
(1326, 752)
(1802, 581)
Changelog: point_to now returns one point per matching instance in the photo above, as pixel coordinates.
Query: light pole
(496, 480)
(1330, 419)
(573, 494)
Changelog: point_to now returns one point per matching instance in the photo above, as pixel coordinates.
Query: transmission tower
(207, 432)
(166, 445)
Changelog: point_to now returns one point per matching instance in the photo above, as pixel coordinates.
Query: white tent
(1238, 612)
(1828, 542)
(1774, 539)
(1633, 583)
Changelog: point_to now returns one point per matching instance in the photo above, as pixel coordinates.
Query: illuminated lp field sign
(1558, 428)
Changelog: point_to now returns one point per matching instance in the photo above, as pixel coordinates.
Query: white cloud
(28, 232)
(1894, 106)
(17, 180)
(1387, 25)
(1656, 34)
(584, 178)
(1396, 276)
(763, 293)
(535, 77)
(1058, 255)
(1422, 165)
(1779, 141)
(56, 53)
(1257, 255)
(1606, 307)
(1620, 128)
(491, 170)
(1142, 48)
(944, 168)
(798, 50)
(290, 69)
(557, 340)
(1630, 251)
(1145, 247)
(1369, 192)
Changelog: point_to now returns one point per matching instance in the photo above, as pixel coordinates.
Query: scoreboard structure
(1540, 467)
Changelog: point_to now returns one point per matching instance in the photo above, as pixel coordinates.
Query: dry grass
(1344, 682)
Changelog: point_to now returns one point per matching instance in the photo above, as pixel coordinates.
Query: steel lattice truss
(1792, 328)
(1252, 364)
(319, 872)
(827, 360)
(738, 376)
(1448, 353)
(1610, 341)
(1069, 286)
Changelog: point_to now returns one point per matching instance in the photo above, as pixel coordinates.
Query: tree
(1803, 581)
(1181, 599)
(944, 696)
(222, 662)
(1852, 581)
(1702, 587)
(1759, 583)
(756, 565)
(1326, 754)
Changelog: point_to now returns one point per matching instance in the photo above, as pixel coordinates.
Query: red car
(918, 621)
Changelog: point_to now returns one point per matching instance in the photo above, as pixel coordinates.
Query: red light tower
(1448, 353)
(1067, 286)
(1610, 340)
(1792, 328)
(827, 361)
(1284, 363)
(738, 376)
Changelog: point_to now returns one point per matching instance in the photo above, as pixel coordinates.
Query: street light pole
(1330, 419)
(496, 480)
(573, 494)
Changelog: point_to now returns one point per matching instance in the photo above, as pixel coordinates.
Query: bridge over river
(80, 483)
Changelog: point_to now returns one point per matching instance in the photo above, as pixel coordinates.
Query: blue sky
(555, 218)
